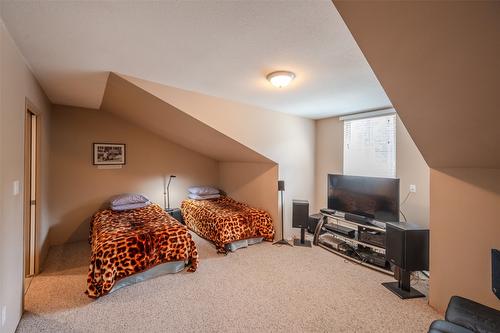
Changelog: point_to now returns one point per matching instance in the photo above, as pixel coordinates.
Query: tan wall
(253, 183)
(16, 85)
(78, 188)
(140, 107)
(465, 206)
(285, 139)
(329, 155)
(438, 63)
(410, 167)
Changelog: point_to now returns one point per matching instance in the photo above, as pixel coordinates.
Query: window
(370, 146)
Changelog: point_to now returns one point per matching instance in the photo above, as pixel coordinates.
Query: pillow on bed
(203, 197)
(130, 206)
(127, 199)
(203, 190)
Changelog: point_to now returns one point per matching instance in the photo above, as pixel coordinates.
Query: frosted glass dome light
(280, 79)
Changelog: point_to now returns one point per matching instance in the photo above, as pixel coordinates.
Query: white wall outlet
(4, 315)
(15, 187)
(413, 188)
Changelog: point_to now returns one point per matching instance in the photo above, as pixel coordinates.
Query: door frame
(30, 108)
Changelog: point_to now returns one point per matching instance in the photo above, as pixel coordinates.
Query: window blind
(370, 146)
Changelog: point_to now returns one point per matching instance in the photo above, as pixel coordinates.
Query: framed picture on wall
(109, 154)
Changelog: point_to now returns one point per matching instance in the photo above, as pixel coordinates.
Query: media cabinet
(323, 238)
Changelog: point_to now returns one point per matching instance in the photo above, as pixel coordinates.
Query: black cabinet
(176, 214)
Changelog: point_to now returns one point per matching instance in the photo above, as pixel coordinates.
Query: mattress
(225, 220)
(242, 243)
(134, 241)
(161, 269)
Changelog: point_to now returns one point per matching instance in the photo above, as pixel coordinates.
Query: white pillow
(203, 197)
(203, 190)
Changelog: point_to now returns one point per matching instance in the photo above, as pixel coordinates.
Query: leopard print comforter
(132, 241)
(225, 220)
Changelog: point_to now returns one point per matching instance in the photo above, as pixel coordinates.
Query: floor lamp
(166, 193)
(281, 189)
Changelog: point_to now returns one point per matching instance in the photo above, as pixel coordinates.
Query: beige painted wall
(140, 107)
(465, 206)
(410, 167)
(439, 61)
(285, 139)
(329, 156)
(16, 84)
(253, 183)
(78, 188)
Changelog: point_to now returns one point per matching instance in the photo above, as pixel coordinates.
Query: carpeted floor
(262, 288)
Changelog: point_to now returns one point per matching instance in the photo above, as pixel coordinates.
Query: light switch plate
(15, 187)
(4, 315)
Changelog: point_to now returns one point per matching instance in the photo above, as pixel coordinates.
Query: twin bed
(133, 241)
(229, 224)
(137, 244)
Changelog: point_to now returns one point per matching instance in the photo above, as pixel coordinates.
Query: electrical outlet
(4, 315)
(413, 188)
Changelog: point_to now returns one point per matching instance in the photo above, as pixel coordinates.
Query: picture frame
(108, 153)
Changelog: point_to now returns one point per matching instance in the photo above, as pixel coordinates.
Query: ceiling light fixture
(280, 79)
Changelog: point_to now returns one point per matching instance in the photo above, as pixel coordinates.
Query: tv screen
(372, 197)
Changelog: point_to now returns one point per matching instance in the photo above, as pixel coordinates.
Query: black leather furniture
(466, 316)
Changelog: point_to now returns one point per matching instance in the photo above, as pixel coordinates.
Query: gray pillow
(130, 206)
(127, 199)
(203, 190)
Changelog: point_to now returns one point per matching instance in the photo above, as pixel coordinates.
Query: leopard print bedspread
(132, 241)
(225, 220)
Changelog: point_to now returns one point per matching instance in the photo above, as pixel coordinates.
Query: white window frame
(373, 151)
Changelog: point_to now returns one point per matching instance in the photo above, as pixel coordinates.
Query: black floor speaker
(407, 247)
(300, 219)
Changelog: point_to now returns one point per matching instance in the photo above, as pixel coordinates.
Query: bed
(229, 224)
(133, 245)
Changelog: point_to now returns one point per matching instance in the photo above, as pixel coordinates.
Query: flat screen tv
(371, 197)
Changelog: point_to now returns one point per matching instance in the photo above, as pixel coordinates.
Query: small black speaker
(300, 216)
(313, 222)
(495, 272)
(300, 219)
(407, 246)
(281, 185)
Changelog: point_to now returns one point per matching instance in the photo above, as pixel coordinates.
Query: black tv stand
(324, 232)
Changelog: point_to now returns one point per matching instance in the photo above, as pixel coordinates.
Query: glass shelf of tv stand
(343, 255)
(341, 220)
(355, 241)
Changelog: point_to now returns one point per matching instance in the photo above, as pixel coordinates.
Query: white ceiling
(222, 49)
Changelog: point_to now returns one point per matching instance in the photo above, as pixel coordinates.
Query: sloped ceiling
(218, 48)
(130, 102)
(439, 63)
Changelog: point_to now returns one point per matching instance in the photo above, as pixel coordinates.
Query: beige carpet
(262, 288)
